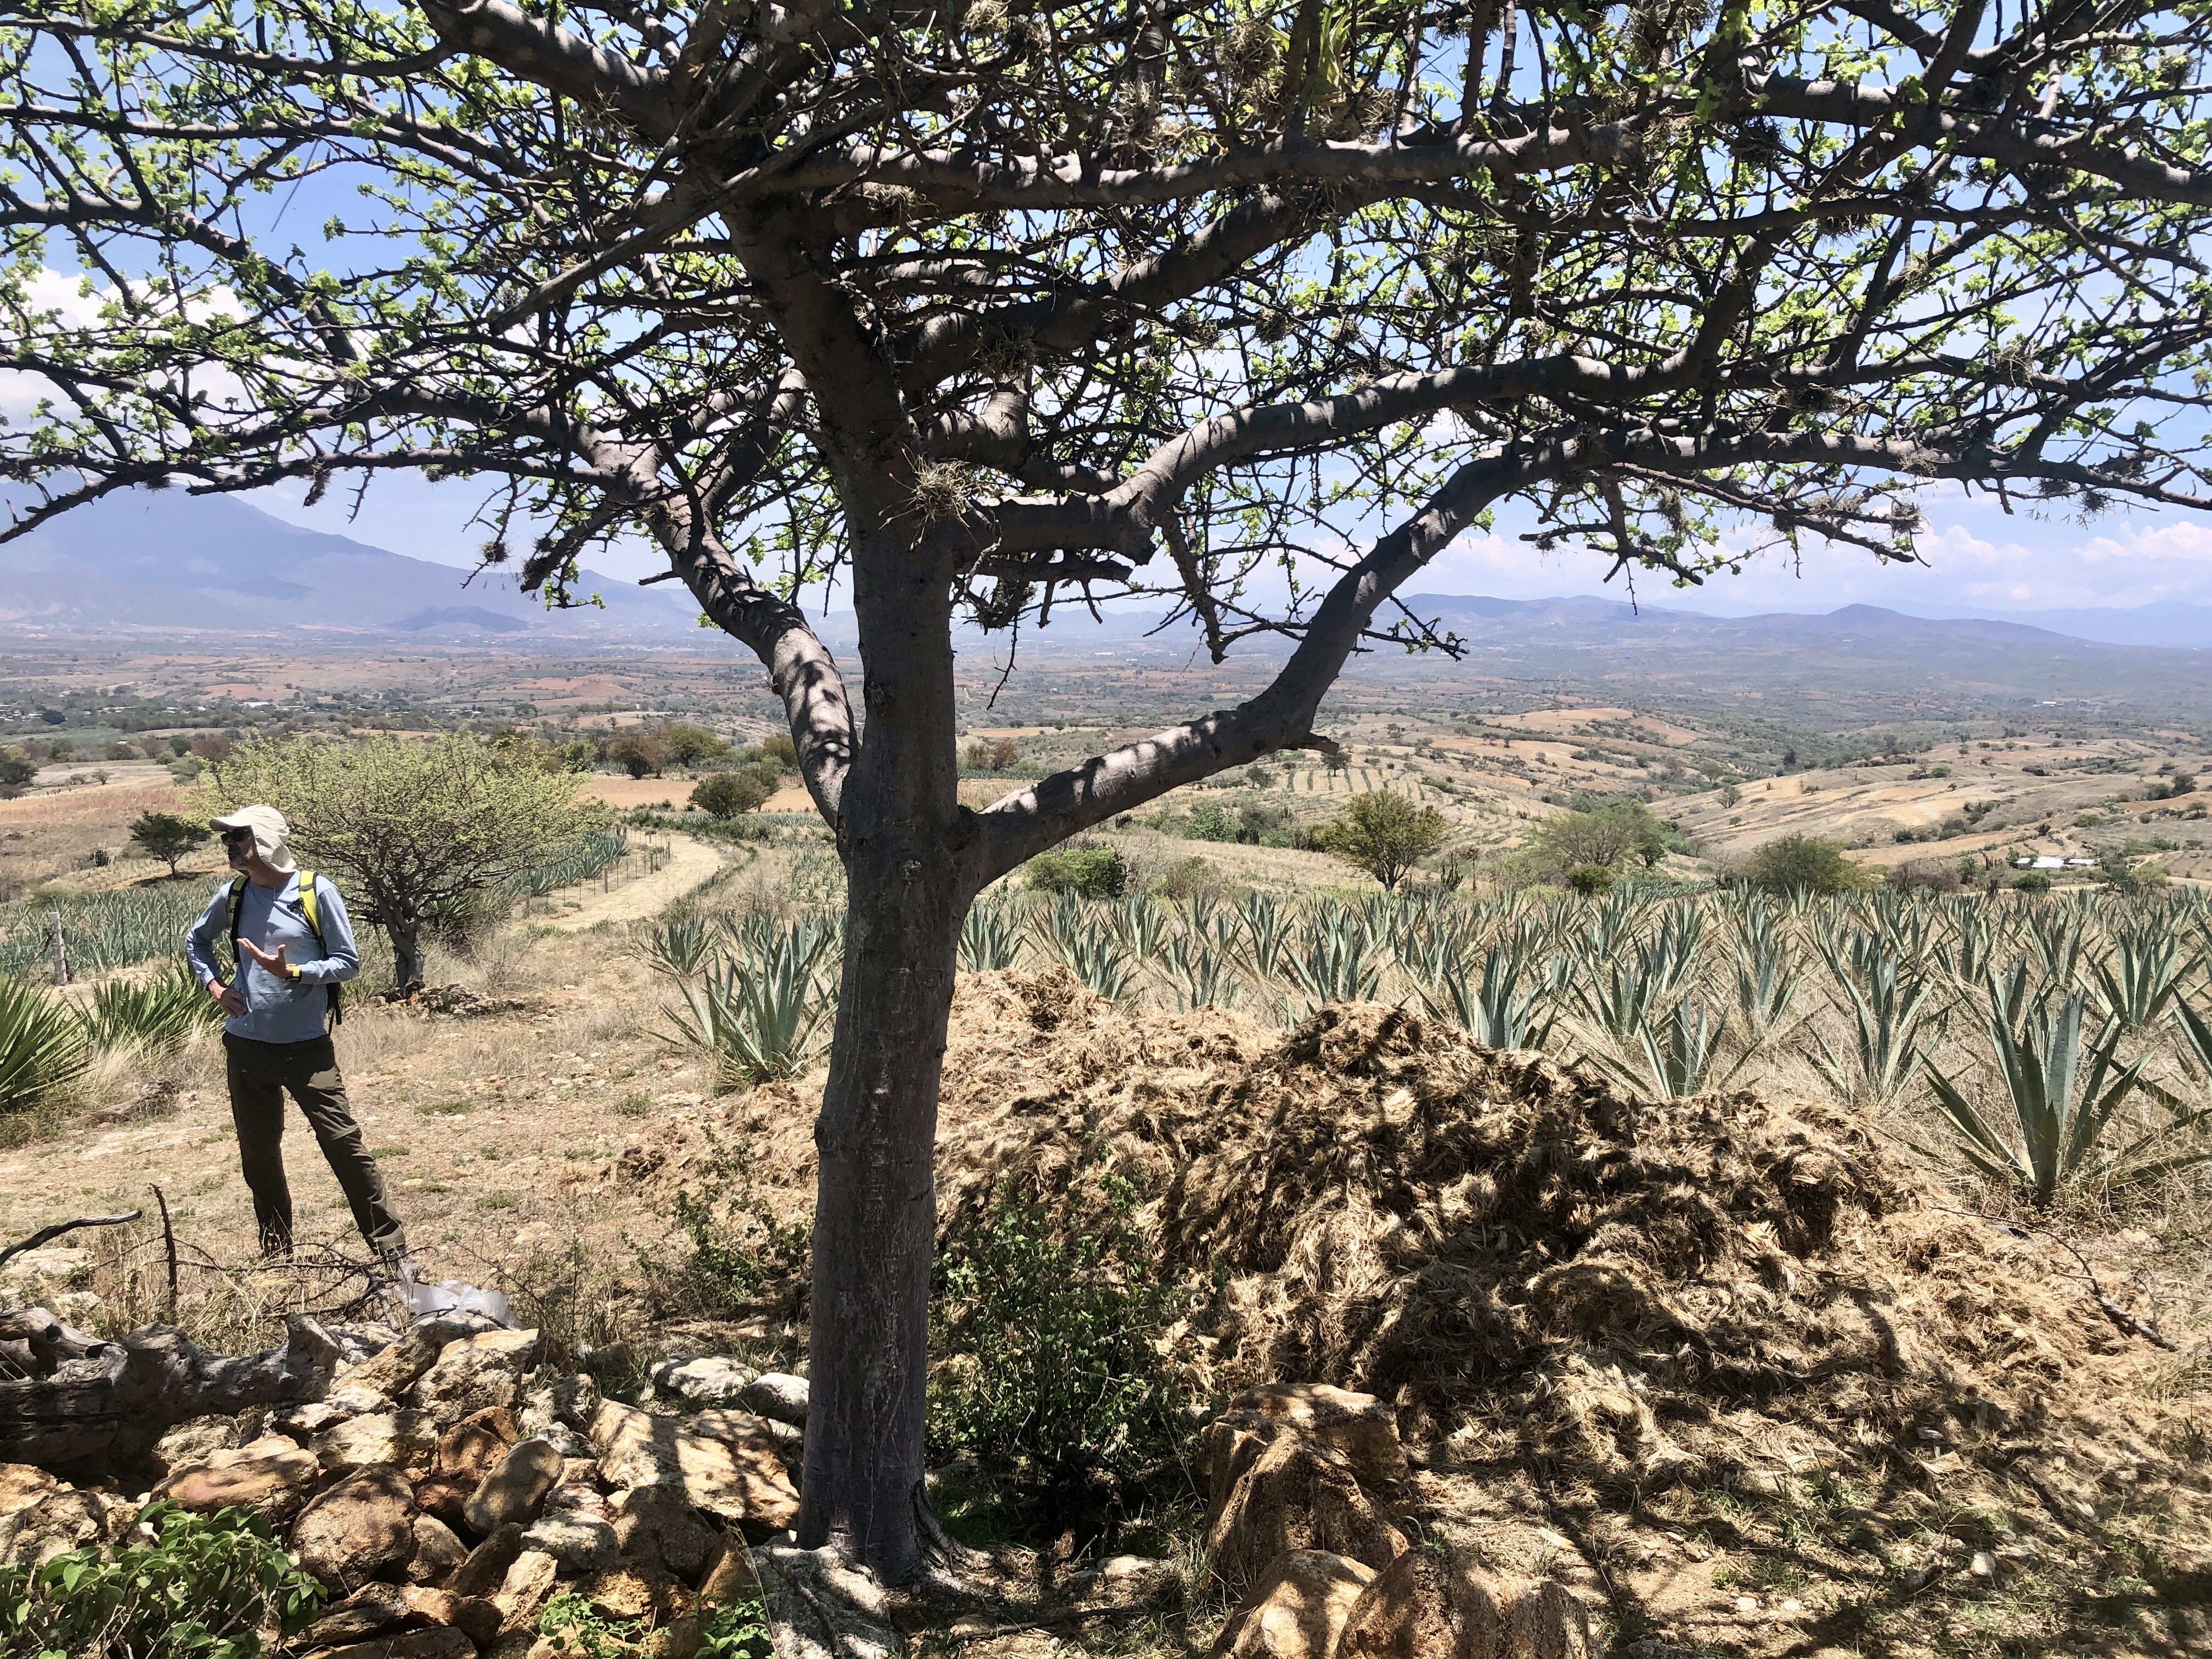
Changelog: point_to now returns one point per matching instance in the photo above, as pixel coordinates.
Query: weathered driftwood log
(82, 1407)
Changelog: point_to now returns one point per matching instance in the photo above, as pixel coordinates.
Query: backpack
(308, 908)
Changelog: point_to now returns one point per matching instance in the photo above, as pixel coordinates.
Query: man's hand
(227, 997)
(272, 960)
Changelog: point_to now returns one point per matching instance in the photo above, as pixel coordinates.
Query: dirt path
(690, 861)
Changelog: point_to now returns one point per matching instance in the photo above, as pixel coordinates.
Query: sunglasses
(231, 837)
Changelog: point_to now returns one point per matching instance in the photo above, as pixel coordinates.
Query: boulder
(485, 1569)
(362, 1529)
(394, 1371)
(528, 1582)
(23, 1485)
(1297, 1495)
(777, 1395)
(566, 1400)
(1361, 1426)
(474, 1373)
(438, 1552)
(479, 1617)
(1296, 1609)
(403, 1440)
(64, 1519)
(657, 1526)
(517, 1486)
(1432, 1605)
(272, 1475)
(371, 1608)
(579, 1542)
(479, 1440)
(725, 1463)
(702, 1379)
(629, 1593)
(440, 1642)
(446, 1496)
(197, 1441)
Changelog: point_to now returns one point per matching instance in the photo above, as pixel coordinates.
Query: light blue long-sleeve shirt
(278, 1009)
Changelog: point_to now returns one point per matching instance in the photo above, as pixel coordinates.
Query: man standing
(294, 946)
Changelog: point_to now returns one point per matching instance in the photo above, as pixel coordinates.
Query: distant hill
(168, 565)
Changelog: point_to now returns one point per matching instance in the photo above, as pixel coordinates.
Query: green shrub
(733, 794)
(167, 835)
(204, 1589)
(1049, 1336)
(2033, 881)
(42, 1048)
(1587, 878)
(1804, 864)
(1210, 821)
(1086, 872)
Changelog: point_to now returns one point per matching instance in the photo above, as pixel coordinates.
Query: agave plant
(1338, 963)
(41, 1046)
(1140, 925)
(1681, 1054)
(158, 1015)
(1892, 1025)
(2062, 1106)
(1098, 960)
(991, 935)
(2141, 974)
(1619, 998)
(764, 1015)
(1494, 1010)
(1767, 978)
(1200, 972)
(679, 946)
(1266, 932)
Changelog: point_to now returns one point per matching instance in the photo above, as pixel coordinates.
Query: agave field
(2046, 1042)
(100, 931)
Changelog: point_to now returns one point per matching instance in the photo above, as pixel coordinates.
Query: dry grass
(50, 835)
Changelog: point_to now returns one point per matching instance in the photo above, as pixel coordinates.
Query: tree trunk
(406, 954)
(876, 1209)
(82, 1407)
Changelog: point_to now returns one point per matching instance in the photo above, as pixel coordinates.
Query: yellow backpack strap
(237, 904)
(313, 913)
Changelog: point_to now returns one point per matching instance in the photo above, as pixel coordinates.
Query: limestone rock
(567, 1400)
(23, 1485)
(479, 1440)
(404, 1440)
(580, 1543)
(64, 1519)
(703, 1379)
(440, 1642)
(351, 1399)
(371, 1608)
(1296, 1609)
(446, 1496)
(632, 1593)
(1297, 1495)
(438, 1550)
(528, 1582)
(657, 1526)
(516, 1488)
(272, 1475)
(1430, 1605)
(485, 1569)
(394, 1371)
(362, 1529)
(777, 1395)
(472, 1374)
(198, 1440)
(479, 1617)
(1361, 1426)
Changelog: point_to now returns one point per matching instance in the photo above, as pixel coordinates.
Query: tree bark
(406, 954)
(83, 1407)
(876, 1213)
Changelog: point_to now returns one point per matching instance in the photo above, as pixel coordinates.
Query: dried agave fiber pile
(1533, 1266)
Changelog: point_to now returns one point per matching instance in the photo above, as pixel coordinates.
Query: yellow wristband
(291, 970)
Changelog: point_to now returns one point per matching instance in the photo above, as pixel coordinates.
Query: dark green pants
(260, 1073)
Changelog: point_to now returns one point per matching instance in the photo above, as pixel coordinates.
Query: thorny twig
(2112, 1309)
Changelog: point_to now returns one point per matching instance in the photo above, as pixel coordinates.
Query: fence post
(54, 944)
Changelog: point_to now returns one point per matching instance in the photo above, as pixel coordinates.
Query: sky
(1978, 559)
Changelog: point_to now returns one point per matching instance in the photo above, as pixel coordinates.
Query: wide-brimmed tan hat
(272, 834)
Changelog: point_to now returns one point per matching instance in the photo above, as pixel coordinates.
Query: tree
(407, 828)
(1001, 311)
(733, 794)
(1602, 834)
(16, 772)
(637, 753)
(167, 835)
(1385, 835)
(687, 745)
(1804, 863)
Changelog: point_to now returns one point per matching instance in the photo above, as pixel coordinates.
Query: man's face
(238, 847)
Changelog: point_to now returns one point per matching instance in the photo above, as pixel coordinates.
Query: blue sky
(1977, 558)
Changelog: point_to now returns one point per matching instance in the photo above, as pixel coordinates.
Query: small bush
(1086, 872)
(1803, 863)
(1209, 821)
(1587, 878)
(1189, 878)
(160, 1014)
(204, 1589)
(1049, 1336)
(733, 794)
(2033, 881)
